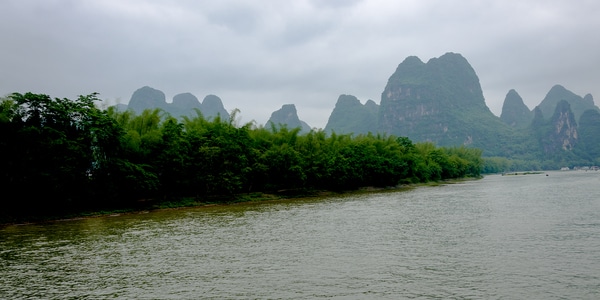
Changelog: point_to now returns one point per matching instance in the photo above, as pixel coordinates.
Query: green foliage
(493, 165)
(589, 139)
(54, 150)
(69, 156)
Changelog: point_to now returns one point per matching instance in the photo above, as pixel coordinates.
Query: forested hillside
(441, 101)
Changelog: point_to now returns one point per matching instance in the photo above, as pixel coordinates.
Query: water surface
(501, 237)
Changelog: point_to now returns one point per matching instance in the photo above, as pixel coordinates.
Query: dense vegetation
(589, 125)
(66, 156)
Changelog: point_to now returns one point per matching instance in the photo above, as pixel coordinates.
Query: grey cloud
(334, 4)
(260, 55)
(242, 19)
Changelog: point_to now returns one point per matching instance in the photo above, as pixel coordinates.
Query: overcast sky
(258, 55)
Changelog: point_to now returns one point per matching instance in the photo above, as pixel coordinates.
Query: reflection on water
(512, 237)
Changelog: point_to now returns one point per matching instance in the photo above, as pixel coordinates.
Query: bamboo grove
(63, 155)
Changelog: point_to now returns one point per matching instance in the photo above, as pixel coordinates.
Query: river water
(501, 237)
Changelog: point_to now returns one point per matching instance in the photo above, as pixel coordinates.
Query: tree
(56, 147)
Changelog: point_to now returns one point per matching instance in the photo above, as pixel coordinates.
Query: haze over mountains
(441, 101)
(184, 104)
(288, 116)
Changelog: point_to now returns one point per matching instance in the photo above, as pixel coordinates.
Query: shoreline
(235, 199)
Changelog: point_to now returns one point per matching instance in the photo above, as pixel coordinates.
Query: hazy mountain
(147, 98)
(563, 133)
(440, 101)
(538, 117)
(514, 111)
(589, 134)
(212, 106)
(350, 116)
(183, 104)
(577, 103)
(186, 101)
(121, 107)
(557, 136)
(288, 116)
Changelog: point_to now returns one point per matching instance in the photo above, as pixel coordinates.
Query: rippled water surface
(501, 237)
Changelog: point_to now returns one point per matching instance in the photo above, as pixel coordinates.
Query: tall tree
(56, 147)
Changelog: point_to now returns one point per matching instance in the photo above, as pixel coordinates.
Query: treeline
(64, 155)
(493, 165)
(496, 164)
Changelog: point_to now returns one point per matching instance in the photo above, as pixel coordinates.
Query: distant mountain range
(440, 101)
(184, 104)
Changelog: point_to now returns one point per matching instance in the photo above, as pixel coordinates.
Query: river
(500, 237)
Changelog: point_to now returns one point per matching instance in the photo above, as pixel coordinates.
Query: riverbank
(148, 205)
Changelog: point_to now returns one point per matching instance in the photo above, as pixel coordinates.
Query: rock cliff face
(557, 135)
(288, 116)
(350, 116)
(514, 112)
(563, 134)
(439, 101)
(577, 103)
